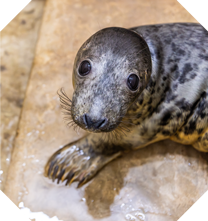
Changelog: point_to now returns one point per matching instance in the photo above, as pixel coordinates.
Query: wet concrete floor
(18, 42)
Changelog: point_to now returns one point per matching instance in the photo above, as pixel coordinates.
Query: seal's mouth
(86, 122)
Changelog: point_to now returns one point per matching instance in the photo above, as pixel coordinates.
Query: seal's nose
(91, 124)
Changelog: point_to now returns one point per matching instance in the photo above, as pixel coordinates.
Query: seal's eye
(133, 82)
(84, 68)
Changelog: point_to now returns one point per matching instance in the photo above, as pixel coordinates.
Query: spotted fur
(171, 61)
(179, 81)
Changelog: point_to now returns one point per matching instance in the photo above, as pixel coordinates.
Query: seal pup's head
(111, 69)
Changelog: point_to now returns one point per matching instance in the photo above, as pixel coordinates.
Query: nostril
(94, 124)
(101, 123)
(86, 120)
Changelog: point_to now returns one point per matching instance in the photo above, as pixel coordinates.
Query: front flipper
(75, 162)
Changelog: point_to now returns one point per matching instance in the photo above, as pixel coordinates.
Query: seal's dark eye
(133, 82)
(84, 68)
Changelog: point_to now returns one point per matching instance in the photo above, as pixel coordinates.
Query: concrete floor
(157, 183)
(18, 41)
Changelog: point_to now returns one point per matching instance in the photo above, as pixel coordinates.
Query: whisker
(121, 131)
(69, 119)
(115, 135)
(120, 134)
(64, 98)
(70, 124)
(65, 108)
(62, 94)
(66, 113)
(126, 129)
(66, 104)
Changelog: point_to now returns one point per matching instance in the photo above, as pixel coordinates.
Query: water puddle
(157, 183)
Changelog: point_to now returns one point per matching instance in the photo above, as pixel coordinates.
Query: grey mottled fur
(171, 61)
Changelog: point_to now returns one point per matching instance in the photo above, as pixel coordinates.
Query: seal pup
(133, 87)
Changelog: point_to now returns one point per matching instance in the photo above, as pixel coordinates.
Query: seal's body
(149, 80)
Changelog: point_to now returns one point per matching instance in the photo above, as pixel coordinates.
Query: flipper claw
(60, 175)
(67, 164)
